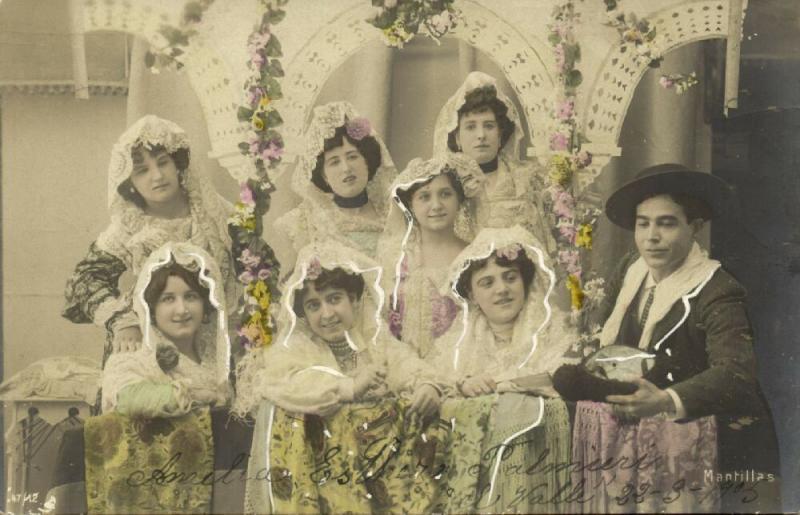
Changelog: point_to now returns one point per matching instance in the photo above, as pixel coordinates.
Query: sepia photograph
(399, 256)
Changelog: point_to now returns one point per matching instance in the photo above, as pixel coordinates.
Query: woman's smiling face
(329, 312)
(435, 205)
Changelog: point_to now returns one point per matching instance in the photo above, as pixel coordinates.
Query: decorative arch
(209, 77)
(521, 57)
(614, 85)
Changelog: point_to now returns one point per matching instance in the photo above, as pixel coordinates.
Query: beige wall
(55, 156)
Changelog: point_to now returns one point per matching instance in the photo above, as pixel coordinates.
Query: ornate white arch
(521, 57)
(614, 84)
(208, 75)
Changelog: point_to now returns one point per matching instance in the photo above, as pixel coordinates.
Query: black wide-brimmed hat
(666, 179)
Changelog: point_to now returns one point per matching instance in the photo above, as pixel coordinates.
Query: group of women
(414, 299)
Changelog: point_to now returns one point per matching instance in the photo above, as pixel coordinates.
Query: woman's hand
(477, 385)
(368, 382)
(425, 402)
(128, 339)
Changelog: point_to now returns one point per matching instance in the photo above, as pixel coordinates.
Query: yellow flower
(560, 169)
(264, 102)
(258, 123)
(576, 293)
(584, 236)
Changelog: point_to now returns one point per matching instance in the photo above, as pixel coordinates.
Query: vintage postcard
(399, 256)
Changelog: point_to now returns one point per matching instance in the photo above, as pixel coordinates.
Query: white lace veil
(214, 346)
(401, 234)
(326, 119)
(540, 338)
(447, 121)
(131, 235)
(311, 260)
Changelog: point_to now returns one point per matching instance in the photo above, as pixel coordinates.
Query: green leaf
(274, 16)
(573, 79)
(274, 68)
(273, 89)
(554, 38)
(273, 48)
(244, 114)
(274, 119)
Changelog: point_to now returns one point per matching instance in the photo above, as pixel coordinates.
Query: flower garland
(256, 265)
(172, 40)
(679, 82)
(574, 226)
(638, 32)
(401, 20)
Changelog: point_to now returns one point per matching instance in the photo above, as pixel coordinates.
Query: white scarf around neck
(684, 283)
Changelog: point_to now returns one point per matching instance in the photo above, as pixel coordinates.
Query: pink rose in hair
(358, 128)
(511, 252)
(314, 269)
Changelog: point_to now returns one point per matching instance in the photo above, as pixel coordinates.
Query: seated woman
(350, 397)
(342, 179)
(154, 398)
(482, 123)
(508, 341)
(428, 226)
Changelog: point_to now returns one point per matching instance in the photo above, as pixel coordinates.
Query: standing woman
(154, 198)
(343, 179)
(482, 123)
(429, 224)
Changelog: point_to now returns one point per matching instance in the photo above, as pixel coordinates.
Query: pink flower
(570, 260)
(272, 151)
(559, 141)
(246, 277)
(246, 194)
(666, 82)
(511, 252)
(358, 128)
(256, 59)
(563, 203)
(313, 270)
(567, 230)
(583, 159)
(561, 59)
(260, 39)
(264, 274)
(248, 259)
(565, 109)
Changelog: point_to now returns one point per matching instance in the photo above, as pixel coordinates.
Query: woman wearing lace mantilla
(429, 224)
(482, 123)
(343, 179)
(154, 198)
(508, 341)
(337, 378)
(155, 399)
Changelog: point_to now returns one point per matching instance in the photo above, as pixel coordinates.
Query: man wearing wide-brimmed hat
(678, 304)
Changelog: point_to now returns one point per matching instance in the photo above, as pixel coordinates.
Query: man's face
(663, 235)
(329, 312)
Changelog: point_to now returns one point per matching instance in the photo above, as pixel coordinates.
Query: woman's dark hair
(477, 101)
(158, 281)
(405, 196)
(353, 284)
(522, 263)
(693, 207)
(367, 146)
(126, 190)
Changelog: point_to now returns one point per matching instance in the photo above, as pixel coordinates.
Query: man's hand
(647, 401)
(127, 340)
(478, 385)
